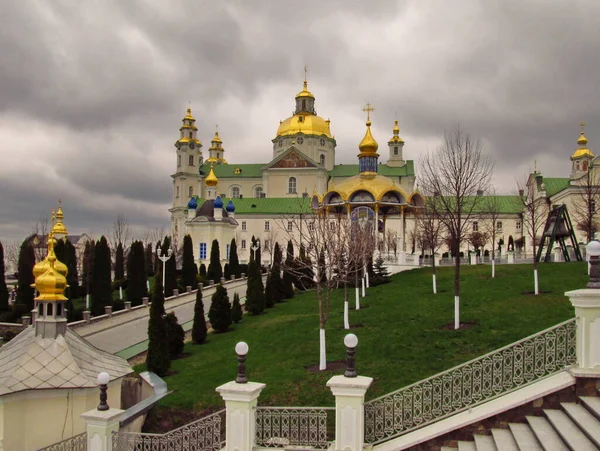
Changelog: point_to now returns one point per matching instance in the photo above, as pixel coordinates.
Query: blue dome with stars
(230, 207)
(192, 204)
(218, 202)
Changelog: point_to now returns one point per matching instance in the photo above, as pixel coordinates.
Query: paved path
(125, 330)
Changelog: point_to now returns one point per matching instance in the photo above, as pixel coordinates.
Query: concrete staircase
(575, 427)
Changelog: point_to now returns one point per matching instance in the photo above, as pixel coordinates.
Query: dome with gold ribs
(582, 150)
(42, 266)
(368, 145)
(51, 284)
(216, 150)
(188, 124)
(305, 92)
(396, 138)
(211, 178)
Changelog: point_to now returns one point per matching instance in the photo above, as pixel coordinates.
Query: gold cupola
(582, 149)
(59, 228)
(188, 132)
(305, 93)
(216, 150)
(41, 267)
(367, 158)
(211, 179)
(51, 284)
(396, 134)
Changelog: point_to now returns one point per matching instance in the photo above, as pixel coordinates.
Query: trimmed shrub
(219, 314)
(236, 309)
(199, 329)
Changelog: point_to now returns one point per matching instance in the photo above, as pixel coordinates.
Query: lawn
(401, 341)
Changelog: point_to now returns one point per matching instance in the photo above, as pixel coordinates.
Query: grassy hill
(403, 337)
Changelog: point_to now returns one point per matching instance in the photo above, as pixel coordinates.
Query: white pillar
(349, 395)
(587, 312)
(511, 256)
(240, 401)
(100, 425)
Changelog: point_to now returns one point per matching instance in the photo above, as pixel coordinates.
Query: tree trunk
(346, 322)
(493, 268)
(322, 354)
(535, 281)
(363, 286)
(357, 306)
(434, 285)
(457, 288)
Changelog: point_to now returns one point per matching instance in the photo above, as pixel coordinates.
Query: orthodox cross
(305, 71)
(367, 109)
(582, 126)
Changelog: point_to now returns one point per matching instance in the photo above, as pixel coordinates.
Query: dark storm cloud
(92, 93)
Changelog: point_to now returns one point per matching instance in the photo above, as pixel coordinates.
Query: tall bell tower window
(396, 150)
(190, 191)
(178, 160)
(322, 160)
(191, 160)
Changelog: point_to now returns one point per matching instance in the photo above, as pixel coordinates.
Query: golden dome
(308, 124)
(42, 266)
(188, 116)
(211, 178)
(216, 139)
(368, 146)
(377, 186)
(59, 228)
(305, 92)
(582, 142)
(51, 284)
(396, 138)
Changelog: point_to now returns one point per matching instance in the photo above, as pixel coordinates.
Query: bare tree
(120, 232)
(456, 173)
(586, 203)
(491, 209)
(430, 232)
(40, 236)
(535, 211)
(11, 256)
(391, 241)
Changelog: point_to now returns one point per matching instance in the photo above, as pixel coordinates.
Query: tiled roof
(348, 170)
(229, 170)
(555, 185)
(30, 362)
(266, 205)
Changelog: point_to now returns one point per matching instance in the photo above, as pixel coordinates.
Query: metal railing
(472, 383)
(307, 427)
(205, 434)
(75, 443)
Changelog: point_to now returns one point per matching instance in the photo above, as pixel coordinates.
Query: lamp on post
(255, 249)
(350, 341)
(593, 250)
(241, 349)
(103, 379)
(163, 259)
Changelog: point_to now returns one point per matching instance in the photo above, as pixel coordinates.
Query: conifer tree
(25, 265)
(3, 288)
(199, 327)
(119, 264)
(188, 269)
(219, 313)
(72, 274)
(277, 287)
(203, 271)
(157, 262)
(270, 293)
(149, 260)
(255, 295)
(175, 335)
(236, 309)
(226, 271)
(101, 283)
(157, 359)
(215, 271)
(288, 277)
(87, 266)
(136, 274)
(234, 262)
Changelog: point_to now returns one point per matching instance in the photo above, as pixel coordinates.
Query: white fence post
(100, 425)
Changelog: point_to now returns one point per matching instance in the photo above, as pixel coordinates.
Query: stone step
(524, 437)
(568, 430)
(448, 448)
(592, 404)
(484, 443)
(546, 435)
(466, 446)
(504, 440)
(587, 422)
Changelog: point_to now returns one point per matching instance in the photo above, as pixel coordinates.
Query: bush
(175, 335)
(486, 253)
(199, 326)
(445, 255)
(236, 309)
(219, 314)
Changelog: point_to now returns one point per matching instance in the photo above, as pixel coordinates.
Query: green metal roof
(229, 170)
(348, 170)
(266, 205)
(555, 185)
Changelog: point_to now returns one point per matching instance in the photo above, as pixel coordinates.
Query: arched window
(292, 185)
(191, 160)
(303, 105)
(190, 191)
(585, 165)
(322, 160)
(235, 192)
(258, 192)
(190, 135)
(395, 150)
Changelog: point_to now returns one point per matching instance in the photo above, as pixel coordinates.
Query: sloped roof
(229, 170)
(267, 205)
(348, 170)
(30, 362)
(555, 185)
(207, 211)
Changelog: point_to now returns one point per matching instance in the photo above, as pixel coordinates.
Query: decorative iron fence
(279, 427)
(75, 443)
(205, 434)
(471, 383)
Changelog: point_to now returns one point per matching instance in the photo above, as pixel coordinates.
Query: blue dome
(218, 202)
(230, 207)
(192, 204)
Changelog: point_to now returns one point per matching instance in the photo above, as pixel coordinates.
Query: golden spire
(396, 137)
(305, 92)
(582, 150)
(211, 178)
(59, 228)
(368, 146)
(51, 284)
(42, 266)
(188, 116)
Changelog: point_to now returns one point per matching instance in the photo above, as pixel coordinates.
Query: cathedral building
(217, 199)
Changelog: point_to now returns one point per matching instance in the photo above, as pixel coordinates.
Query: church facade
(217, 199)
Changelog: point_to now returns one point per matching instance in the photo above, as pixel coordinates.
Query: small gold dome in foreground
(211, 179)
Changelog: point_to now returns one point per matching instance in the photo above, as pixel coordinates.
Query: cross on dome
(367, 109)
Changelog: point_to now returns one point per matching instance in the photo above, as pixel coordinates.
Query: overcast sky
(92, 92)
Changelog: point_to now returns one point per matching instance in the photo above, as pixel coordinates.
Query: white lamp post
(255, 249)
(163, 259)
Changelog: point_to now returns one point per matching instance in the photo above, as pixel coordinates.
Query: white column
(511, 256)
(349, 395)
(240, 401)
(100, 425)
(587, 312)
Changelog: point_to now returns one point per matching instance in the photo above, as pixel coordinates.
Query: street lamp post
(255, 249)
(163, 259)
